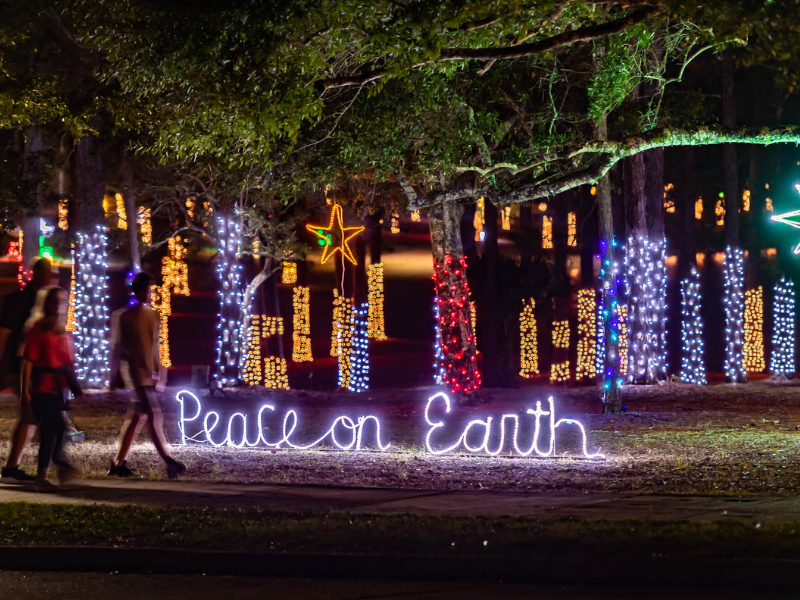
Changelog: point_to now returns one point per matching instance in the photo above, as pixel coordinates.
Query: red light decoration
(14, 251)
(461, 373)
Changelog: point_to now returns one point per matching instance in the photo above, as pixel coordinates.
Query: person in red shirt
(47, 374)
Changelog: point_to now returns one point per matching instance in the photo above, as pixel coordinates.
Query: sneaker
(67, 473)
(175, 468)
(45, 486)
(122, 470)
(15, 475)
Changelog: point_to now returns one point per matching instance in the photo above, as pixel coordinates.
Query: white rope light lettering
(238, 434)
(734, 315)
(782, 363)
(693, 369)
(232, 315)
(442, 401)
(91, 311)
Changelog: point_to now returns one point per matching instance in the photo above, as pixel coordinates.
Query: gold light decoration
(415, 216)
(479, 219)
(20, 240)
(587, 334)
(769, 206)
(746, 201)
(529, 353)
(63, 214)
(190, 206)
(395, 228)
(560, 371)
(289, 272)
(593, 190)
(146, 226)
(505, 215)
(160, 300)
(122, 217)
(622, 311)
(547, 233)
(72, 322)
(375, 316)
(344, 235)
(256, 248)
(473, 317)
(301, 325)
(572, 229)
(719, 210)
(542, 206)
(275, 377)
(669, 203)
(344, 341)
(339, 314)
(109, 206)
(698, 208)
(754, 330)
(252, 364)
(174, 270)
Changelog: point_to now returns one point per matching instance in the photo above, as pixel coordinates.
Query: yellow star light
(339, 232)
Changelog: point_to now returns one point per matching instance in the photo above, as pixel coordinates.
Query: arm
(27, 367)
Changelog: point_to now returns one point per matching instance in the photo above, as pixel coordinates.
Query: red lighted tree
(461, 375)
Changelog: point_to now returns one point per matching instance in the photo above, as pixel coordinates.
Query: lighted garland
(734, 314)
(452, 295)
(375, 296)
(395, 228)
(91, 311)
(275, 375)
(358, 378)
(252, 365)
(547, 233)
(698, 208)
(146, 227)
(587, 334)
(782, 362)
(232, 313)
(344, 342)
(63, 214)
(646, 279)
(415, 216)
(505, 215)
(529, 352)
(624, 357)
(473, 320)
(289, 272)
(72, 323)
(161, 302)
(301, 325)
(560, 371)
(122, 217)
(753, 350)
(693, 369)
(719, 210)
(174, 270)
(339, 315)
(479, 219)
(572, 229)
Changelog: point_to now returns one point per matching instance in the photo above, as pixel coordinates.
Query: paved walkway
(395, 501)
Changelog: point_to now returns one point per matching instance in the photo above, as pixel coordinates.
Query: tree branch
(583, 34)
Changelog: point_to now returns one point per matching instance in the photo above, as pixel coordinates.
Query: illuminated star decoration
(339, 232)
(791, 218)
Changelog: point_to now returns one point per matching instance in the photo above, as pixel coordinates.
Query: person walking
(16, 310)
(134, 336)
(47, 375)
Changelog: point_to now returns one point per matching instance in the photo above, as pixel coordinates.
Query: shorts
(144, 400)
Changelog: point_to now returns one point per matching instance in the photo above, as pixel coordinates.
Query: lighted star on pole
(791, 218)
(327, 234)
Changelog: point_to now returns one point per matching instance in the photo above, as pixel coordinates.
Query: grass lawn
(718, 439)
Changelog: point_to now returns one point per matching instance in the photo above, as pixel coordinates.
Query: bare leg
(19, 440)
(130, 428)
(156, 424)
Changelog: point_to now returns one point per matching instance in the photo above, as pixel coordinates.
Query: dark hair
(141, 282)
(52, 301)
(42, 265)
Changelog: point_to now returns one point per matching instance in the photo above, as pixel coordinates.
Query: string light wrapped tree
(233, 315)
(734, 316)
(461, 374)
(782, 364)
(693, 369)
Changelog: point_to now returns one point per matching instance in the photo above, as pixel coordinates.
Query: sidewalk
(399, 501)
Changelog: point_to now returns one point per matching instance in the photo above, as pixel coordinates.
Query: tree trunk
(735, 345)
(686, 199)
(374, 232)
(90, 183)
(31, 157)
(360, 269)
(560, 288)
(452, 290)
(131, 216)
(654, 189)
(489, 316)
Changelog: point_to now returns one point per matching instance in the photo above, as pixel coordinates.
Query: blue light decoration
(91, 309)
(608, 320)
(232, 314)
(782, 363)
(734, 315)
(693, 368)
(359, 349)
(438, 354)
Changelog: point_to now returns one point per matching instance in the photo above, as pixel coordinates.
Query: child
(47, 374)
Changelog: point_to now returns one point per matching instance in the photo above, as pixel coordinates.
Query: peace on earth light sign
(530, 434)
